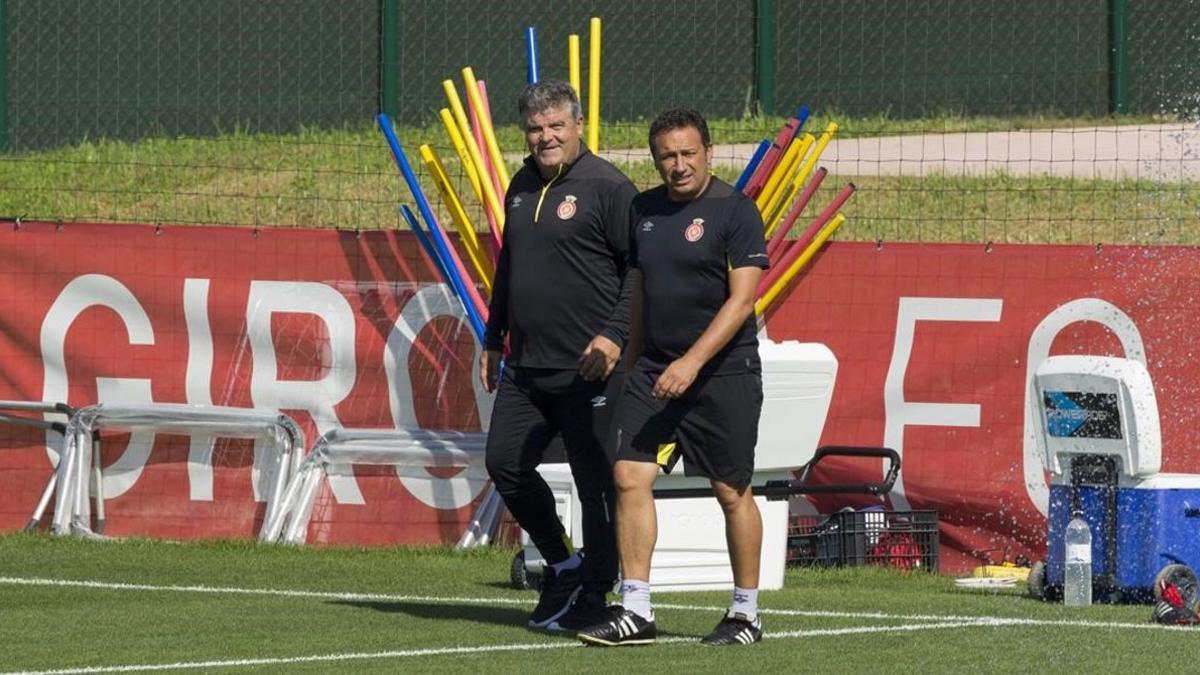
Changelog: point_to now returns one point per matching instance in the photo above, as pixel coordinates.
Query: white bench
(340, 449)
(61, 410)
(72, 514)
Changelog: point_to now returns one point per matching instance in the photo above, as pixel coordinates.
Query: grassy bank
(346, 179)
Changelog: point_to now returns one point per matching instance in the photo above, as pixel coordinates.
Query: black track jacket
(562, 265)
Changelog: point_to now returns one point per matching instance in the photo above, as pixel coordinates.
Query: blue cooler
(1098, 429)
(1150, 525)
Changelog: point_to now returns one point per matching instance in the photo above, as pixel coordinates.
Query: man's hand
(489, 369)
(599, 358)
(676, 378)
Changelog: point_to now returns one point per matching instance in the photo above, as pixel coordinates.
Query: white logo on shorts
(599, 401)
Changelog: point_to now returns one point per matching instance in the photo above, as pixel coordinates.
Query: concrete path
(1163, 153)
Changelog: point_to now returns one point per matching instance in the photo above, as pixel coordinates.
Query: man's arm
(602, 354)
(680, 374)
(633, 346)
(497, 325)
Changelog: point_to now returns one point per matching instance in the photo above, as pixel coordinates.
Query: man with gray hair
(558, 300)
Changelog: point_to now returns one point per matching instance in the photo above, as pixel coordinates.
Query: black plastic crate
(905, 540)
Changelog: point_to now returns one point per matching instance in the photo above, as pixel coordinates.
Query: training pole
(593, 123)
(795, 249)
(460, 117)
(531, 61)
(439, 243)
(573, 63)
(781, 232)
(485, 121)
(458, 215)
(807, 167)
(464, 157)
(752, 164)
(763, 303)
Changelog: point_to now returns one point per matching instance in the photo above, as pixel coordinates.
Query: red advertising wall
(288, 319)
(935, 344)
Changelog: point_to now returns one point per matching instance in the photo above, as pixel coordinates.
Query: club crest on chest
(695, 230)
(566, 208)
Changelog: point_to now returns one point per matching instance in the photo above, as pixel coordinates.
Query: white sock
(568, 564)
(745, 600)
(635, 597)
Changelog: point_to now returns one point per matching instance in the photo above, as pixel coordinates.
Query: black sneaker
(558, 592)
(623, 627)
(588, 610)
(735, 629)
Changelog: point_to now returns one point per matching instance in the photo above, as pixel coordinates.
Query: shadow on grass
(490, 614)
(505, 586)
(501, 616)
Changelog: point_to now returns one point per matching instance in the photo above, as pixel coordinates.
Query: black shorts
(714, 425)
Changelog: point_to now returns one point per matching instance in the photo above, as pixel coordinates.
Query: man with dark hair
(557, 297)
(697, 254)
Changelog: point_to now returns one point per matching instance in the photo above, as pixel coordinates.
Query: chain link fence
(132, 69)
(261, 113)
(934, 57)
(655, 54)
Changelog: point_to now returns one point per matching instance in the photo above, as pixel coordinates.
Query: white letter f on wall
(899, 413)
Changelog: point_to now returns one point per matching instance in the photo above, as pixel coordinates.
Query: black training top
(684, 251)
(560, 276)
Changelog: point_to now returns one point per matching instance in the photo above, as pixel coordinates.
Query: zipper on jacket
(538, 211)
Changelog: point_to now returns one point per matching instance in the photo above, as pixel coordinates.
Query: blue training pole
(759, 152)
(802, 116)
(439, 243)
(423, 240)
(531, 64)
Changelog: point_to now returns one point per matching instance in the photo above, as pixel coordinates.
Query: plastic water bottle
(1077, 587)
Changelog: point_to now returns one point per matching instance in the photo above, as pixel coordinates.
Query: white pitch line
(445, 651)
(352, 656)
(230, 590)
(385, 597)
(816, 613)
(931, 622)
(860, 630)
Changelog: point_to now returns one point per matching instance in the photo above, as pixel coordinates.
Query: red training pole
(794, 215)
(797, 247)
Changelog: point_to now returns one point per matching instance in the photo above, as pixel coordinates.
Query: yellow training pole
(805, 169)
(791, 156)
(460, 116)
(767, 298)
(573, 63)
(593, 122)
(485, 121)
(464, 157)
(483, 266)
(785, 191)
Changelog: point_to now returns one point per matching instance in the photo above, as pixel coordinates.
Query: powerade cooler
(1098, 430)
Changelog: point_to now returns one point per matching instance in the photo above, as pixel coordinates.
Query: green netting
(1164, 57)
(129, 69)
(910, 59)
(654, 54)
(260, 113)
(134, 68)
